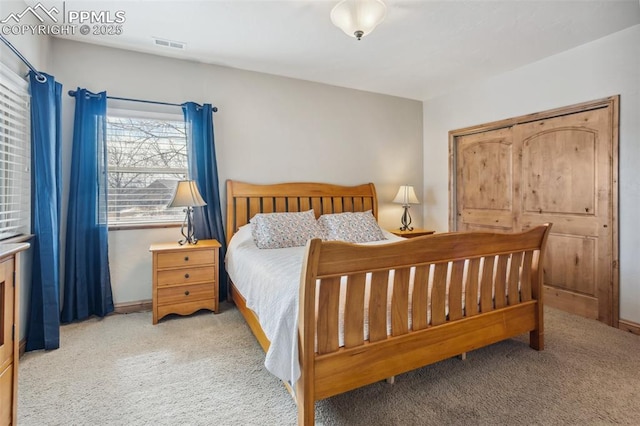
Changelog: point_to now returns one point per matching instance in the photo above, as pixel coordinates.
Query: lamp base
(189, 236)
(406, 219)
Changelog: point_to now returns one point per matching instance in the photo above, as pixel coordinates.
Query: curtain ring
(41, 78)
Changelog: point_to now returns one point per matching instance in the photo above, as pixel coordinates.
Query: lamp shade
(357, 18)
(406, 195)
(186, 195)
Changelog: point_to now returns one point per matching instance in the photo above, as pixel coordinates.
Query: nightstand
(185, 278)
(417, 232)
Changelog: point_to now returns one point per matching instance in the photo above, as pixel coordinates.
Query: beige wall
(268, 129)
(34, 48)
(602, 68)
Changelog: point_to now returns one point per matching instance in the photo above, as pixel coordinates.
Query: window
(147, 155)
(15, 155)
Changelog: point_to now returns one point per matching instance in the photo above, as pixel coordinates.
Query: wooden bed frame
(465, 271)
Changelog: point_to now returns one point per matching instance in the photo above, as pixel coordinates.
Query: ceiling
(422, 49)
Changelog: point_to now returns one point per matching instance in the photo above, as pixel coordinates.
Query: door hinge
(14, 278)
(13, 333)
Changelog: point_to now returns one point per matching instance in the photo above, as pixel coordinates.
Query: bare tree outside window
(146, 158)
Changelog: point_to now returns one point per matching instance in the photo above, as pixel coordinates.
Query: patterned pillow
(281, 230)
(359, 227)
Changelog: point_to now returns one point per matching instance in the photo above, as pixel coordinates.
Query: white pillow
(359, 227)
(281, 230)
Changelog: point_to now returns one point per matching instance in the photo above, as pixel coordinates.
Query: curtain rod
(73, 93)
(41, 78)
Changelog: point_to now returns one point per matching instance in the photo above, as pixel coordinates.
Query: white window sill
(143, 225)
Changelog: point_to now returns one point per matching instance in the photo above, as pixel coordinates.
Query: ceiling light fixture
(357, 18)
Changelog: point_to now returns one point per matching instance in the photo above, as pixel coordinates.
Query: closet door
(485, 187)
(567, 180)
(559, 166)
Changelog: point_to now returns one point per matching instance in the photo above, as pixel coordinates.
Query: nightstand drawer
(191, 258)
(186, 275)
(186, 293)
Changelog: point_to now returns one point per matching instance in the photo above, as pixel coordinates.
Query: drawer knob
(186, 258)
(186, 275)
(186, 293)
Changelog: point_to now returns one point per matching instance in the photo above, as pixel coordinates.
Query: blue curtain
(203, 169)
(87, 284)
(44, 312)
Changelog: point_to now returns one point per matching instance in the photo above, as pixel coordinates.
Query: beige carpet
(207, 370)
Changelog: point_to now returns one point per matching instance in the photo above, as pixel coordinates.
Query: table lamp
(406, 196)
(187, 195)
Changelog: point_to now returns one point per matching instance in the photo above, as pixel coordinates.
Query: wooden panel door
(567, 180)
(560, 167)
(484, 176)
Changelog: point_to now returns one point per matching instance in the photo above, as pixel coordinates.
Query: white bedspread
(269, 279)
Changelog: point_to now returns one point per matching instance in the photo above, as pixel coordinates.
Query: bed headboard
(244, 200)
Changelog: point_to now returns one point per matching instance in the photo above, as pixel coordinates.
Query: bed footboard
(447, 294)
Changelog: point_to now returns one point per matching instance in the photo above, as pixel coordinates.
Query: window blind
(15, 155)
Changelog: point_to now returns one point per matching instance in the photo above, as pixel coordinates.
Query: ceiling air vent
(169, 43)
